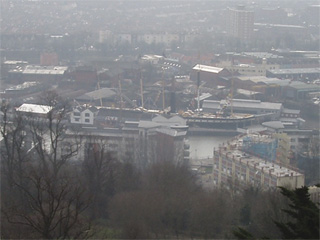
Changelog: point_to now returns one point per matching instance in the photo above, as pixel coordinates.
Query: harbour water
(201, 147)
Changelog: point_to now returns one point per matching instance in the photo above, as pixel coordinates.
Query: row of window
(87, 120)
(78, 114)
(290, 115)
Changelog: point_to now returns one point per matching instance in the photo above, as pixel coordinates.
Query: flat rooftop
(206, 68)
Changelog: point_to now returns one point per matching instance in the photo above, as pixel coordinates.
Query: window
(87, 115)
(87, 120)
(77, 119)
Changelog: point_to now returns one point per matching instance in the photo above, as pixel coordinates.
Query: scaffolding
(264, 147)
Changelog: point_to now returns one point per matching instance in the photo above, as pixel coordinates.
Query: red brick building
(49, 59)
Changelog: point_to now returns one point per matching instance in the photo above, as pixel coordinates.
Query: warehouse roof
(295, 71)
(265, 80)
(41, 70)
(205, 68)
(98, 94)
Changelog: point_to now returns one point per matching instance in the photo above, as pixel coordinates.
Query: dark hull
(219, 123)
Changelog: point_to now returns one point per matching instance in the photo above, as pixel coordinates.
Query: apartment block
(240, 22)
(233, 167)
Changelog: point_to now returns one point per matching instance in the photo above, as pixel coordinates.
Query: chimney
(198, 78)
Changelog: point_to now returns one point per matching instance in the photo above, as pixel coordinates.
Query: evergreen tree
(241, 233)
(304, 223)
(304, 213)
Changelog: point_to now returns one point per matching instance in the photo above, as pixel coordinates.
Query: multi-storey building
(141, 142)
(234, 168)
(240, 22)
(263, 146)
(255, 69)
(159, 38)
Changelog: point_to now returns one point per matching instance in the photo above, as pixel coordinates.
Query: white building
(159, 38)
(83, 115)
(240, 22)
(248, 69)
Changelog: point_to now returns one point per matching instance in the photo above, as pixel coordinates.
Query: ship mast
(231, 100)
(198, 84)
(141, 89)
(163, 100)
(120, 92)
(198, 90)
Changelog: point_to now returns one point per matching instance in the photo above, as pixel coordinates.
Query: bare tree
(100, 168)
(12, 148)
(43, 194)
(49, 134)
(53, 208)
